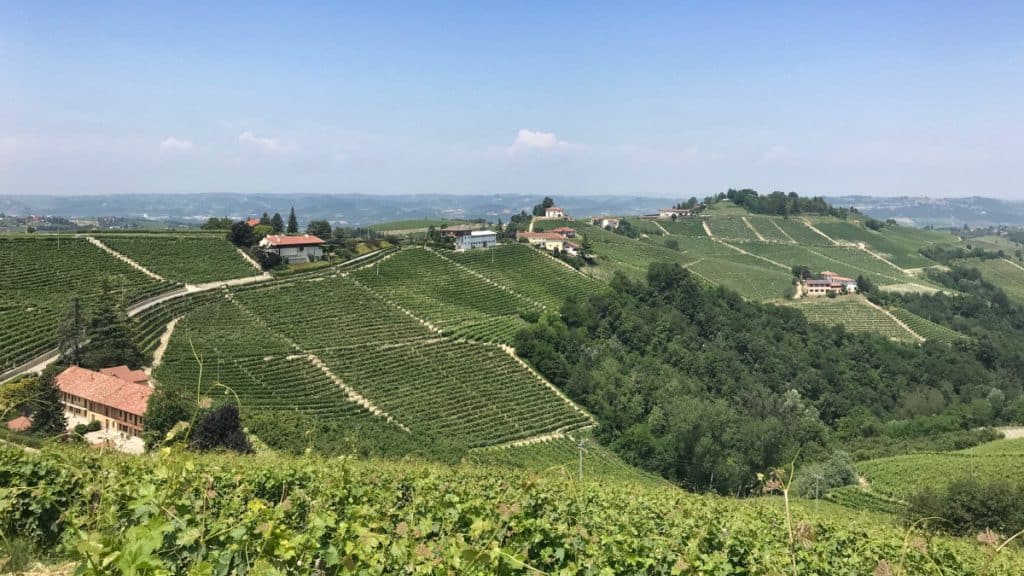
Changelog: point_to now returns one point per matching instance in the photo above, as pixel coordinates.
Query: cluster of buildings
(559, 239)
(673, 213)
(116, 398)
(829, 282)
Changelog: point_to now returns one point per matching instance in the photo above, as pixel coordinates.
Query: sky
(662, 99)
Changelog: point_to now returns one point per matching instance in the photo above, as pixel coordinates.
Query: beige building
(115, 397)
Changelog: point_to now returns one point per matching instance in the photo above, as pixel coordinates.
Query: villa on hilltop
(829, 282)
(555, 213)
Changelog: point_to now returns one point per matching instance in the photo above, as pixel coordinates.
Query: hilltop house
(554, 212)
(830, 282)
(117, 404)
(669, 213)
(545, 240)
(295, 249)
(476, 239)
(606, 223)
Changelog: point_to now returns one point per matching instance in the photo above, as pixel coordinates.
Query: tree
(864, 284)
(293, 223)
(241, 234)
(221, 428)
(110, 341)
(267, 259)
(44, 403)
(546, 203)
(167, 407)
(213, 223)
(71, 333)
(277, 223)
(265, 219)
(261, 231)
(319, 228)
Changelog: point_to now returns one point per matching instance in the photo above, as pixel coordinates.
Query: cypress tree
(277, 223)
(293, 222)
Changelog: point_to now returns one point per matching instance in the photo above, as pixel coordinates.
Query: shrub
(968, 506)
(80, 429)
(815, 479)
(93, 426)
(221, 428)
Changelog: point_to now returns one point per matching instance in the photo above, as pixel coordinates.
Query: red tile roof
(127, 374)
(105, 389)
(253, 222)
(563, 229)
(19, 424)
(544, 235)
(304, 240)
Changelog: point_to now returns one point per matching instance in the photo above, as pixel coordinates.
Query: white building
(295, 249)
(554, 212)
(606, 222)
(668, 213)
(476, 239)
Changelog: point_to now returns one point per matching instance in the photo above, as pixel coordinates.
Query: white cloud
(261, 142)
(531, 140)
(172, 144)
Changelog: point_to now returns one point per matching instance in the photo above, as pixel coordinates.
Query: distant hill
(345, 209)
(923, 211)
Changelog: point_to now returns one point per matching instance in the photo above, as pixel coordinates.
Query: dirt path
(894, 319)
(532, 220)
(1012, 263)
(512, 352)
(742, 251)
(865, 248)
(124, 259)
(707, 229)
(1012, 432)
(190, 288)
(660, 227)
(818, 232)
(752, 229)
(249, 259)
(165, 339)
(783, 232)
(352, 394)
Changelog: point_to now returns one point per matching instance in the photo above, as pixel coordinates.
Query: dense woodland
(708, 389)
(780, 203)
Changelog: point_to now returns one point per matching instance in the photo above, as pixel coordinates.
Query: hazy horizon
(582, 99)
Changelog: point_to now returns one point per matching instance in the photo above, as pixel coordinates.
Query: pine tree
(44, 401)
(110, 341)
(293, 222)
(277, 223)
(71, 334)
(265, 220)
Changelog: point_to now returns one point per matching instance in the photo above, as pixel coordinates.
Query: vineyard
(41, 278)
(186, 259)
(926, 328)
(900, 249)
(902, 476)
(473, 393)
(690, 227)
(753, 278)
(853, 313)
(529, 272)
(175, 513)
(440, 291)
(1003, 273)
(731, 228)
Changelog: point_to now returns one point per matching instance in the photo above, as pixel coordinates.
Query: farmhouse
(565, 231)
(669, 213)
(476, 239)
(830, 282)
(606, 223)
(295, 249)
(118, 405)
(458, 231)
(546, 240)
(554, 212)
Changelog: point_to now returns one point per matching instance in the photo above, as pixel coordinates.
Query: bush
(267, 259)
(968, 506)
(815, 479)
(221, 428)
(80, 429)
(93, 426)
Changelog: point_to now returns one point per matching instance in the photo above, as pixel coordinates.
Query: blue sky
(673, 98)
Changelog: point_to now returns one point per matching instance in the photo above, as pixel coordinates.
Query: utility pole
(580, 446)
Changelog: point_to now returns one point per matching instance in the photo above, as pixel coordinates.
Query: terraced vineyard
(731, 228)
(645, 226)
(616, 252)
(901, 248)
(41, 276)
(560, 458)
(690, 227)
(800, 232)
(752, 278)
(858, 498)
(853, 313)
(768, 230)
(438, 290)
(1003, 273)
(149, 325)
(902, 476)
(473, 393)
(186, 259)
(926, 328)
(528, 272)
(331, 312)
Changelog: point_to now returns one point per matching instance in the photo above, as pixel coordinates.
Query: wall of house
(110, 419)
(295, 254)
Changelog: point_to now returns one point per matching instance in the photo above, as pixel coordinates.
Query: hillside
(173, 512)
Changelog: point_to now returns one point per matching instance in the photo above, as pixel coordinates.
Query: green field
(185, 259)
(853, 313)
(1006, 274)
(902, 476)
(528, 272)
(443, 293)
(42, 275)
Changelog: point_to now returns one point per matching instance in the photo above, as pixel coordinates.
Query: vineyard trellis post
(579, 445)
